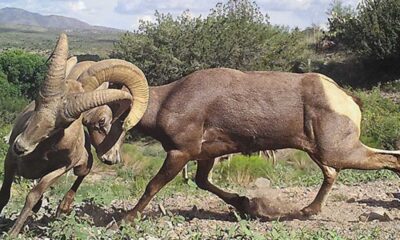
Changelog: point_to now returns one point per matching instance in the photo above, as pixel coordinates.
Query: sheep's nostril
(18, 149)
(106, 161)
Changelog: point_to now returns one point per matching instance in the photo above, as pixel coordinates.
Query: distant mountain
(18, 16)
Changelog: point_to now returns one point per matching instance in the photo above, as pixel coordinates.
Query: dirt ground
(350, 210)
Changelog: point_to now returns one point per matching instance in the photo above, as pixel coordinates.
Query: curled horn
(125, 73)
(71, 62)
(81, 102)
(54, 84)
(79, 69)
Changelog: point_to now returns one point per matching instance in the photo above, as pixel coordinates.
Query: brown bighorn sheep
(214, 112)
(48, 138)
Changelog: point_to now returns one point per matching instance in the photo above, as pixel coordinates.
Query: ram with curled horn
(214, 112)
(48, 137)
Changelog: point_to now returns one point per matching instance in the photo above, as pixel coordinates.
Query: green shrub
(11, 101)
(297, 169)
(392, 87)
(380, 125)
(24, 70)
(235, 34)
(372, 30)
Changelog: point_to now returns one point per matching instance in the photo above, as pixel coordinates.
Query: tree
(11, 101)
(372, 30)
(24, 70)
(235, 34)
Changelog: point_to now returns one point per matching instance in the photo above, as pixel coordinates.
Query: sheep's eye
(102, 122)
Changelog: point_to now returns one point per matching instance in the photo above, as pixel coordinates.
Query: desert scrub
(380, 125)
(392, 87)
(242, 170)
(297, 169)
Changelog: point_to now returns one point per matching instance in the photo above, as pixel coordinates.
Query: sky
(125, 14)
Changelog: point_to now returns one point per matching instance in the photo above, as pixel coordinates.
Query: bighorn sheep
(48, 138)
(214, 112)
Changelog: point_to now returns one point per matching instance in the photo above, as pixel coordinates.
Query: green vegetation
(380, 124)
(126, 183)
(25, 70)
(237, 35)
(41, 40)
(373, 29)
(74, 227)
(295, 170)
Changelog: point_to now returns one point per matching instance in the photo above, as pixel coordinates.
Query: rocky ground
(350, 211)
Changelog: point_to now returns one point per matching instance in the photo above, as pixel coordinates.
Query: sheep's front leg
(173, 164)
(81, 171)
(33, 197)
(9, 174)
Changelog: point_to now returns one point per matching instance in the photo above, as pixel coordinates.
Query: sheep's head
(106, 129)
(106, 134)
(56, 107)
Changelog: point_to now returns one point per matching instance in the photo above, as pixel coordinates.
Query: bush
(11, 101)
(380, 126)
(25, 70)
(235, 35)
(372, 30)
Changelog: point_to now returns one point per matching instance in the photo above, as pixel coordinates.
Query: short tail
(381, 151)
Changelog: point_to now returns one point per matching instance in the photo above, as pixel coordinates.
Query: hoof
(253, 208)
(309, 211)
(63, 211)
(242, 205)
(114, 226)
(65, 205)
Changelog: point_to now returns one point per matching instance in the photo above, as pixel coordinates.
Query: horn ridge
(53, 85)
(125, 73)
(80, 102)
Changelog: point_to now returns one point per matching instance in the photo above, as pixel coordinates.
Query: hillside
(18, 16)
(34, 32)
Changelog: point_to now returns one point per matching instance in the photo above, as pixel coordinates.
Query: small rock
(262, 183)
(351, 200)
(363, 217)
(376, 214)
(390, 195)
(162, 209)
(194, 208)
(170, 225)
(152, 238)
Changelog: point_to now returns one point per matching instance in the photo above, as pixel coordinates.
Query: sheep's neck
(157, 96)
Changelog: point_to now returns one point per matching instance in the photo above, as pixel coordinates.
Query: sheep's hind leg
(33, 197)
(359, 157)
(81, 171)
(330, 175)
(204, 167)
